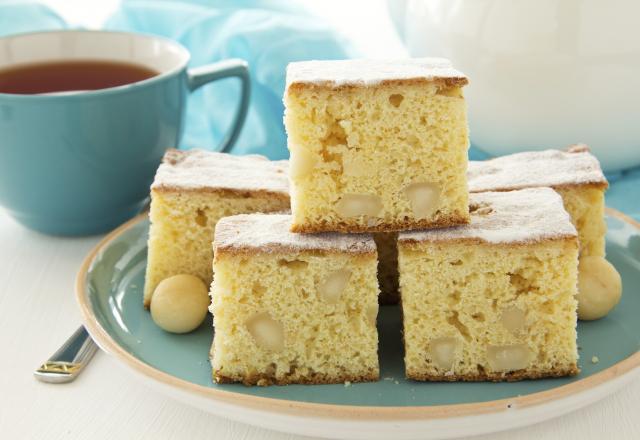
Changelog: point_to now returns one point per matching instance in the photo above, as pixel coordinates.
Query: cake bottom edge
(314, 379)
(511, 376)
(396, 226)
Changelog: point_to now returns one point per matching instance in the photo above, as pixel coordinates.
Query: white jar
(543, 73)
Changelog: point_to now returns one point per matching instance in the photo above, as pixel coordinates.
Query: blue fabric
(268, 34)
(265, 33)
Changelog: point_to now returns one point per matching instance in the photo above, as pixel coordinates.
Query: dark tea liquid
(73, 75)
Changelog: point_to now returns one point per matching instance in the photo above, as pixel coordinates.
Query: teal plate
(110, 286)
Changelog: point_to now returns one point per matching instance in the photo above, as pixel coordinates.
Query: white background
(38, 312)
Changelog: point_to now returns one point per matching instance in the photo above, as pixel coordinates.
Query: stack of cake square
(378, 188)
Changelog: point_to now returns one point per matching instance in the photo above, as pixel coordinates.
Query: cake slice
(292, 308)
(192, 190)
(376, 145)
(495, 299)
(575, 174)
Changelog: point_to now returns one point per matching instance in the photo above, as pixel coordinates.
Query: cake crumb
(396, 382)
(347, 383)
(595, 360)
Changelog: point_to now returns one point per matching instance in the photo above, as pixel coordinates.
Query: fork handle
(70, 359)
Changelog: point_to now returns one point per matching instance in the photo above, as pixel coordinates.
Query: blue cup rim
(161, 76)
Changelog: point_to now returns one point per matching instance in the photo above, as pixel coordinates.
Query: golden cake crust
(511, 376)
(575, 167)
(230, 176)
(269, 233)
(344, 227)
(442, 83)
(345, 74)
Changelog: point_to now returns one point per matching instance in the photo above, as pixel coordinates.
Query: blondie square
(495, 299)
(292, 308)
(376, 145)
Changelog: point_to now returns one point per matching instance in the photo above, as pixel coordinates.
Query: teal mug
(81, 163)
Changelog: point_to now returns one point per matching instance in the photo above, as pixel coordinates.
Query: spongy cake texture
(191, 192)
(376, 146)
(502, 308)
(585, 205)
(298, 310)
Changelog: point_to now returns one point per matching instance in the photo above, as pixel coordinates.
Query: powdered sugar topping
(534, 169)
(371, 72)
(208, 171)
(270, 233)
(524, 216)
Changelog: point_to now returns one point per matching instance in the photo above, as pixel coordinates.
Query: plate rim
(326, 410)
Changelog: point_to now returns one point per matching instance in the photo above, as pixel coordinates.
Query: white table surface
(38, 312)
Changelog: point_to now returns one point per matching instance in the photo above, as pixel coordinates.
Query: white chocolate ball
(599, 287)
(180, 303)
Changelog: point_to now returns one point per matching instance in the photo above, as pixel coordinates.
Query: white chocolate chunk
(333, 286)
(345, 124)
(295, 266)
(424, 198)
(513, 319)
(301, 162)
(599, 287)
(443, 351)
(504, 358)
(179, 303)
(266, 332)
(353, 167)
(354, 205)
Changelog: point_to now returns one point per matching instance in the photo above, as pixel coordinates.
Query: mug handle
(199, 76)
